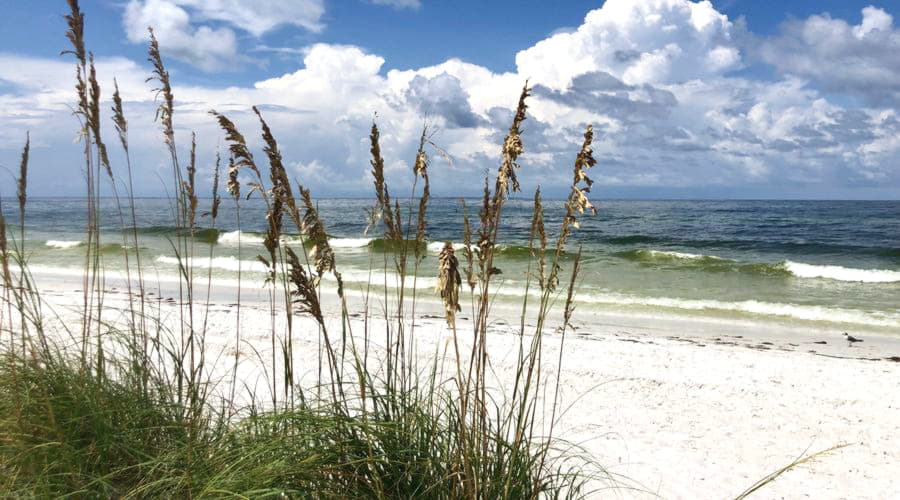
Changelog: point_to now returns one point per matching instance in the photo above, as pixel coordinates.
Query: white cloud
(181, 34)
(651, 41)
(654, 77)
(260, 17)
(208, 48)
(857, 59)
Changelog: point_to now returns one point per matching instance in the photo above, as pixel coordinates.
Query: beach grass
(108, 410)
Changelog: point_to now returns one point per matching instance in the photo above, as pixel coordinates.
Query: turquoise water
(804, 263)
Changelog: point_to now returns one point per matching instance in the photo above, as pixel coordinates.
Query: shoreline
(679, 408)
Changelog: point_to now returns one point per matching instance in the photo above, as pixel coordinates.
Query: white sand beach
(671, 408)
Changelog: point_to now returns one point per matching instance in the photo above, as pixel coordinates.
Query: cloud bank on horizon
(683, 99)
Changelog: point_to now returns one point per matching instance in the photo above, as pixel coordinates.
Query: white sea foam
(63, 243)
(664, 254)
(232, 237)
(437, 246)
(756, 307)
(349, 242)
(841, 273)
(224, 263)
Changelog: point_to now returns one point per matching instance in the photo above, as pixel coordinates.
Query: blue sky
(733, 98)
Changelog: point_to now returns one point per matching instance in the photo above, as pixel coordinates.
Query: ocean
(809, 264)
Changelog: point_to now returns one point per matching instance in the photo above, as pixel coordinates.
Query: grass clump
(67, 431)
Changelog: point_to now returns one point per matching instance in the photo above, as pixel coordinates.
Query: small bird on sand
(851, 339)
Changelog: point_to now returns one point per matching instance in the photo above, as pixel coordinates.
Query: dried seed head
(512, 148)
(274, 218)
(314, 232)
(240, 154)
(119, 116)
(449, 282)
(421, 164)
(307, 300)
(467, 250)
(75, 33)
(421, 169)
(540, 235)
(578, 201)
(584, 161)
(167, 106)
(93, 117)
(485, 241)
(382, 210)
(189, 186)
(22, 184)
(232, 185)
(216, 200)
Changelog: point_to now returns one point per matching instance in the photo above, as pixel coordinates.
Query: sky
(721, 99)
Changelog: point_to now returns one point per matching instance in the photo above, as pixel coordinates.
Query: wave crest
(841, 273)
(787, 268)
(63, 244)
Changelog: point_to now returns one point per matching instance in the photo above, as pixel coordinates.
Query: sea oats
(240, 155)
(22, 183)
(578, 200)
(277, 172)
(467, 249)
(512, 148)
(232, 185)
(216, 200)
(190, 186)
(306, 298)
(119, 120)
(540, 235)
(75, 33)
(449, 282)
(274, 220)
(485, 241)
(167, 106)
(420, 168)
(383, 210)
(93, 118)
(314, 232)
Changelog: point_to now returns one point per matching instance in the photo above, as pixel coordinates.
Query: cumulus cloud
(655, 78)
(205, 47)
(857, 59)
(651, 41)
(211, 48)
(442, 95)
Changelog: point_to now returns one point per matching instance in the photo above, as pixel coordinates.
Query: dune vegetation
(107, 409)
